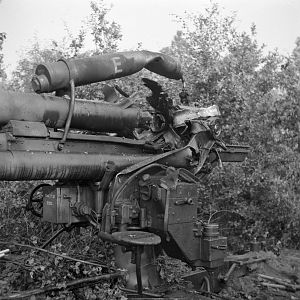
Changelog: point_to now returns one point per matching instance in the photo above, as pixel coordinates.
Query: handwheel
(35, 200)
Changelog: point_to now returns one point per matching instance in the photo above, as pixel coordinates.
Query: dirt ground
(277, 277)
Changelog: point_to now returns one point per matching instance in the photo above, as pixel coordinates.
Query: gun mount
(139, 187)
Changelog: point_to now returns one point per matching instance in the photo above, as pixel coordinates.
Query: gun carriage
(132, 173)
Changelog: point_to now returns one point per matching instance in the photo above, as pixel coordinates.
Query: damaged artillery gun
(133, 173)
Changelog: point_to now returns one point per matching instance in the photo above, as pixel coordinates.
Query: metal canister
(211, 230)
(255, 246)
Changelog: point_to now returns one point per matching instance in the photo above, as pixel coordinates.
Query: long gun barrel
(54, 165)
(37, 165)
(55, 76)
(53, 111)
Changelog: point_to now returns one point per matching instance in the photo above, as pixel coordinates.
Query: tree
(258, 95)
(2, 71)
(106, 34)
(296, 55)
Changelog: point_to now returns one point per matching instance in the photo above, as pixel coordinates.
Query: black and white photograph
(150, 149)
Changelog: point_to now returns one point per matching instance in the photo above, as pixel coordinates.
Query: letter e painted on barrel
(117, 63)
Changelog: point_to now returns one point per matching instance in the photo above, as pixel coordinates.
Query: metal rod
(53, 237)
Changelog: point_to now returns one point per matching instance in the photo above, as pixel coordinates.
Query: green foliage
(29, 269)
(106, 34)
(2, 71)
(12, 213)
(171, 270)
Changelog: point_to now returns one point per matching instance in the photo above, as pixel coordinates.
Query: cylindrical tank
(54, 76)
(53, 111)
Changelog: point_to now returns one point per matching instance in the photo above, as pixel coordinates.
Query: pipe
(110, 170)
(69, 117)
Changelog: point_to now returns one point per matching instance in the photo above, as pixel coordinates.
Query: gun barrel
(53, 111)
(37, 165)
(51, 165)
(54, 76)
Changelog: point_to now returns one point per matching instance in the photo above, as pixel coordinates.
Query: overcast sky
(150, 22)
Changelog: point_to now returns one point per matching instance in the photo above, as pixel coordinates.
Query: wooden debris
(57, 254)
(71, 285)
(280, 283)
(3, 252)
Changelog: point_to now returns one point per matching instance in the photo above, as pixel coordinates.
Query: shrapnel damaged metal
(54, 76)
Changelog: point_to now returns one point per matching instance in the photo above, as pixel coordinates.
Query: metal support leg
(138, 253)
